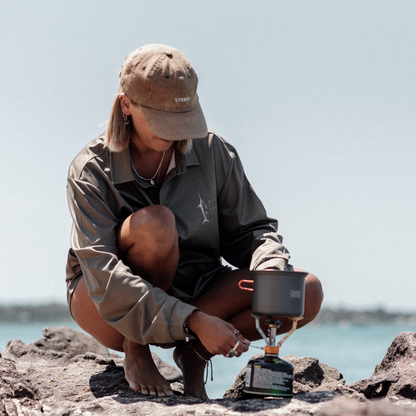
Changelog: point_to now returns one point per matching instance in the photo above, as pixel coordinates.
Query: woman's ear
(125, 104)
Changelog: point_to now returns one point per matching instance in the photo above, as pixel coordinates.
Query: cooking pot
(277, 293)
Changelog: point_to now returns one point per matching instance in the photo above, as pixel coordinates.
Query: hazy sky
(319, 97)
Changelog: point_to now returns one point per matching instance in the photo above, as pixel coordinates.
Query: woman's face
(143, 137)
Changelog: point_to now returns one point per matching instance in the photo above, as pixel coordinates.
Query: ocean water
(354, 350)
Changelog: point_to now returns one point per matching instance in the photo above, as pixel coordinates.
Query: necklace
(151, 180)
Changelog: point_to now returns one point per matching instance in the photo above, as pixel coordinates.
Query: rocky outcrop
(64, 339)
(68, 373)
(395, 376)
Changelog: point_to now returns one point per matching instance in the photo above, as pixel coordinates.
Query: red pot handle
(250, 289)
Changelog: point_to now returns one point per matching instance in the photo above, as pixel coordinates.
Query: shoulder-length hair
(118, 133)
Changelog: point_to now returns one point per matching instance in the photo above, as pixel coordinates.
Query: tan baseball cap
(164, 83)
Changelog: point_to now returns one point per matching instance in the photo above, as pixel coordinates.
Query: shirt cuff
(180, 314)
(276, 263)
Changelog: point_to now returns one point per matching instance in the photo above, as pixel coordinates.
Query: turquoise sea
(354, 350)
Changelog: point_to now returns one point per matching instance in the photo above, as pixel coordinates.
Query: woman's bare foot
(193, 368)
(141, 373)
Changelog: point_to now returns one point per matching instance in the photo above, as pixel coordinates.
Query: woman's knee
(148, 244)
(314, 296)
(152, 227)
(155, 215)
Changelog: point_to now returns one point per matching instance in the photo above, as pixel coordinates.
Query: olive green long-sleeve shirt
(217, 215)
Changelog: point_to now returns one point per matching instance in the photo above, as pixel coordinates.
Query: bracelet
(185, 327)
(188, 332)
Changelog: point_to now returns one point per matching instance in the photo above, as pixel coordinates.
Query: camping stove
(270, 375)
(276, 293)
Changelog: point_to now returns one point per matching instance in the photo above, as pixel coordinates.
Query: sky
(319, 98)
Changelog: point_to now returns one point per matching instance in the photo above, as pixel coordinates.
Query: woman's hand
(216, 335)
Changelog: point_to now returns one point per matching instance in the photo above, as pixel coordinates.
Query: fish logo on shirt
(204, 209)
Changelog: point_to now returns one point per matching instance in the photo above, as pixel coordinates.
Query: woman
(156, 202)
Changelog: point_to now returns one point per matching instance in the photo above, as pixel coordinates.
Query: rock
(395, 376)
(402, 349)
(12, 384)
(310, 376)
(64, 339)
(341, 406)
(36, 381)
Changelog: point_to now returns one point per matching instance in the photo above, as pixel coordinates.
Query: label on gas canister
(269, 378)
(248, 376)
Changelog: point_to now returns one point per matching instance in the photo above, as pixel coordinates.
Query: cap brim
(176, 126)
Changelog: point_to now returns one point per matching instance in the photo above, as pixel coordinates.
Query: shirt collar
(121, 170)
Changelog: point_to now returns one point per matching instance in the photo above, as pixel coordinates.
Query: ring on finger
(232, 353)
(236, 331)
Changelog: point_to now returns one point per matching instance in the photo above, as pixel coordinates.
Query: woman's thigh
(224, 298)
(87, 317)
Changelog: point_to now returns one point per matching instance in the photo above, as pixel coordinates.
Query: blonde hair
(118, 133)
(184, 146)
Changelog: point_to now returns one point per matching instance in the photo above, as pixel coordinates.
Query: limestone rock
(37, 381)
(312, 375)
(64, 339)
(12, 384)
(395, 376)
(341, 406)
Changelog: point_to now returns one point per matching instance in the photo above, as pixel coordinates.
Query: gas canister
(269, 376)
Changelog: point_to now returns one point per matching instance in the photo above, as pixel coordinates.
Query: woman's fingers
(218, 336)
(243, 340)
(239, 344)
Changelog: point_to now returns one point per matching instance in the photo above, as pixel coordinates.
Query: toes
(135, 387)
(160, 391)
(157, 390)
(164, 390)
(152, 391)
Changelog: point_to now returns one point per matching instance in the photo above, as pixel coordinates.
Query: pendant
(152, 182)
